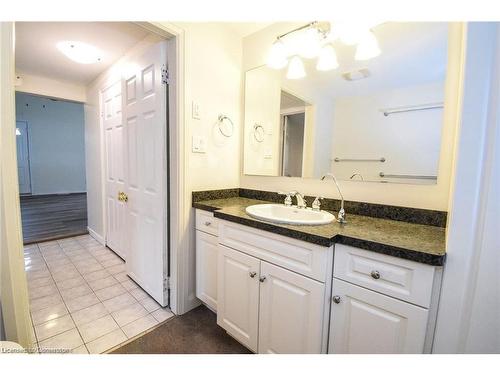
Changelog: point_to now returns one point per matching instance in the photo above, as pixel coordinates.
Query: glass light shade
(79, 52)
(327, 59)
(277, 58)
(309, 43)
(295, 69)
(349, 33)
(367, 48)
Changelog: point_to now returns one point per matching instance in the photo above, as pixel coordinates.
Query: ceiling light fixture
(327, 59)
(295, 68)
(79, 52)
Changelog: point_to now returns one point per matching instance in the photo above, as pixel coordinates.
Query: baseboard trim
(96, 236)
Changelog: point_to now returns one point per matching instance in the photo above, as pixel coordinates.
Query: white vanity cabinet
(273, 292)
(206, 258)
(381, 304)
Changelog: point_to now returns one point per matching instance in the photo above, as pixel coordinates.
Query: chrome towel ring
(258, 132)
(225, 130)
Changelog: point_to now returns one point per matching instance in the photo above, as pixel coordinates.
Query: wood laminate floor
(49, 217)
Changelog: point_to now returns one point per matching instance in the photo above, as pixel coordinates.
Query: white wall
(213, 80)
(422, 196)
(469, 309)
(56, 143)
(44, 86)
(409, 141)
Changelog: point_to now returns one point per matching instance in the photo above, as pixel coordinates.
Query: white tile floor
(81, 298)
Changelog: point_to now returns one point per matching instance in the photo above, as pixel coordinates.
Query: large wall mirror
(364, 119)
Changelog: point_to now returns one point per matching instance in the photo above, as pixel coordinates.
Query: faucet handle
(316, 205)
(288, 198)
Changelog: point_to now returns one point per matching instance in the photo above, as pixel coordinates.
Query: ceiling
(36, 51)
(412, 53)
(243, 29)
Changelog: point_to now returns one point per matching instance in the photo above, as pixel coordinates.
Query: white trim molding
(96, 236)
(465, 308)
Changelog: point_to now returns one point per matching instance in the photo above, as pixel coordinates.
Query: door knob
(262, 279)
(336, 299)
(252, 274)
(375, 275)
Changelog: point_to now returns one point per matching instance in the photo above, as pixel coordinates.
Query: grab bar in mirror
(337, 160)
(409, 176)
(423, 107)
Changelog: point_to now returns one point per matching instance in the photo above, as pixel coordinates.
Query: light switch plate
(195, 110)
(199, 144)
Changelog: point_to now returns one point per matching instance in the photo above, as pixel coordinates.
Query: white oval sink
(279, 213)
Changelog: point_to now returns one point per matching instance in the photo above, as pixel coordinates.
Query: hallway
(81, 299)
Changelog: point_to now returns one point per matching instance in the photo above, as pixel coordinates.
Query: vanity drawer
(400, 278)
(206, 222)
(302, 257)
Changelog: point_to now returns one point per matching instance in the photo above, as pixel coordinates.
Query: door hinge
(165, 78)
(166, 283)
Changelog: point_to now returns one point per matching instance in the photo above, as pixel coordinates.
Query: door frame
(29, 153)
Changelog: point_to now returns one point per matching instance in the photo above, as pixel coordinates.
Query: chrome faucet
(301, 200)
(341, 214)
(357, 174)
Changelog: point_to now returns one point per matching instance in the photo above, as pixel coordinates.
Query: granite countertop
(417, 242)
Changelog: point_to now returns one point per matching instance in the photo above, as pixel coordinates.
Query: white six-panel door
(23, 162)
(367, 322)
(291, 312)
(238, 295)
(114, 138)
(144, 117)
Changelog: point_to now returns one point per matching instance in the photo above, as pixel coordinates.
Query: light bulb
(277, 58)
(309, 43)
(295, 69)
(368, 47)
(349, 33)
(327, 58)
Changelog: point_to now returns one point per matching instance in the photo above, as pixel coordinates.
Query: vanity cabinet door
(365, 322)
(206, 268)
(238, 295)
(291, 312)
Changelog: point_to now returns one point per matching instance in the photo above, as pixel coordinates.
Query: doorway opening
(92, 292)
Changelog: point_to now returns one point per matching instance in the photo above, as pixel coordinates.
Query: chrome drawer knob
(252, 274)
(262, 279)
(336, 299)
(375, 275)
(207, 223)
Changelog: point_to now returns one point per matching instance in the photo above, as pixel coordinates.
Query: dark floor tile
(195, 332)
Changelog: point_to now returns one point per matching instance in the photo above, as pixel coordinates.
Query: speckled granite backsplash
(406, 214)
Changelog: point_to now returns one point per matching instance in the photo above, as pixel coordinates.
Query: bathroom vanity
(368, 286)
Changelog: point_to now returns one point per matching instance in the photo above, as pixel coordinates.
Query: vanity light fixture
(315, 40)
(327, 59)
(367, 48)
(79, 52)
(296, 68)
(277, 58)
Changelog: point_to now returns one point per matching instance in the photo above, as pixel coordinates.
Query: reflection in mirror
(367, 120)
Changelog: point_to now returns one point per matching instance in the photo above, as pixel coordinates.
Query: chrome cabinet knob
(252, 274)
(262, 279)
(208, 223)
(336, 299)
(375, 275)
